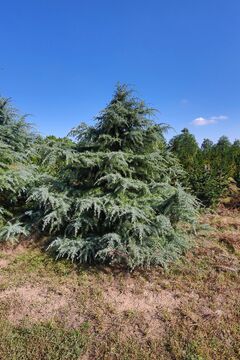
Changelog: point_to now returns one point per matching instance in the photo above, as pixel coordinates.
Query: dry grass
(57, 311)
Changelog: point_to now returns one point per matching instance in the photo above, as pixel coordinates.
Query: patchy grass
(42, 341)
(56, 310)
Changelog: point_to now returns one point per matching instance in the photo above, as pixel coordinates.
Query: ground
(58, 311)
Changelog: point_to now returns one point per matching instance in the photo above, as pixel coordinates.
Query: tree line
(212, 170)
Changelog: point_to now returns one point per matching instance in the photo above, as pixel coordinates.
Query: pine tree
(118, 199)
(186, 148)
(209, 169)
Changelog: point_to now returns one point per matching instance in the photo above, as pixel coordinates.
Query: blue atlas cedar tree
(16, 170)
(113, 195)
(118, 200)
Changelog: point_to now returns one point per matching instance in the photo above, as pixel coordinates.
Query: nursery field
(120, 204)
(60, 311)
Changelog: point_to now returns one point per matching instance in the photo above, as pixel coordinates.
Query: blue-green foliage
(117, 197)
(17, 172)
(113, 195)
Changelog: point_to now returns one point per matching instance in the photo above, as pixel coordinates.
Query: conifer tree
(118, 200)
(186, 148)
(210, 169)
(16, 172)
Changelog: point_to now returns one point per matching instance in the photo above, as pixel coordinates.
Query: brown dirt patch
(4, 263)
(38, 303)
(143, 309)
(231, 239)
(13, 250)
(147, 301)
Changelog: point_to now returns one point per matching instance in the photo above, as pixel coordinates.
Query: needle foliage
(113, 194)
(117, 197)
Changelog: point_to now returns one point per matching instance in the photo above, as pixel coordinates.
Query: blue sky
(60, 60)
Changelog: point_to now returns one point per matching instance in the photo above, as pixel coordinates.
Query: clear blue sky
(60, 60)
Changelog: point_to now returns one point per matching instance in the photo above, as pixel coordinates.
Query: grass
(58, 311)
(41, 341)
